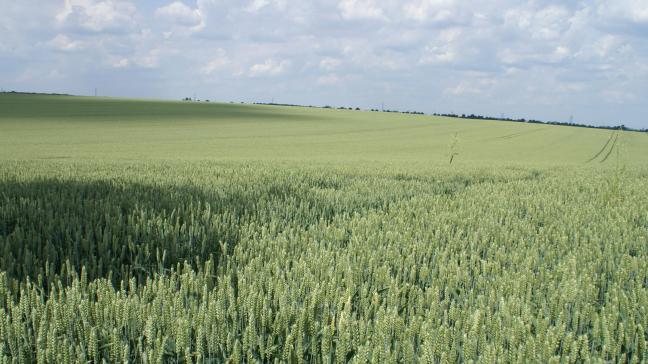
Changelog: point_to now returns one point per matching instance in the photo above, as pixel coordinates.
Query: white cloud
(472, 86)
(257, 5)
(120, 62)
(548, 23)
(368, 56)
(438, 54)
(330, 63)
(463, 88)
(635, 11)
(329, 79)
(218, 63)
(64, 43)
(531, 56)
(605, 50)
(361, 9)
(269, 68)
(98, 16)
(607, 45)
(560, 53)
(434, 11)
(450, 34)
(149, 59)
(180, 14)
(618, 96)
(142, 60)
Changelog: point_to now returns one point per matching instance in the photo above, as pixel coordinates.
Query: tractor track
(611, 148)
(513, 135)
(612, 135)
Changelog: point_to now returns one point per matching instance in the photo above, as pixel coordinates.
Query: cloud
(434, 11)
(269, 68)
(438, 54)
(257, 5)
(330, 63)
(148, 59)
(618, 96)
(143, 60)
(180, 14)
(360, 9)
(120, 63)
(430, 55)
(329, 79)
(530, 56)
(473, 86)
(634, 11)
(546, 23)
(218, 63)
(64, 43)
(97, 16)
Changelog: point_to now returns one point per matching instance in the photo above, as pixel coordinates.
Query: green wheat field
(185, 232)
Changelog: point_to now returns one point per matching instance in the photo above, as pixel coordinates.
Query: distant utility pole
(382, 107)
(571, 119)
(95, 92)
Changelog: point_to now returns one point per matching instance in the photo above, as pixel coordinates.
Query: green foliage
(199, 262)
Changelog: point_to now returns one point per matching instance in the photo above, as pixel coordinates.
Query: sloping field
(59, 127)
(168, 232)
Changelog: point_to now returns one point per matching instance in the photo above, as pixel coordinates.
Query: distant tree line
(291, 105)
(400, 112)
(469, 116)
(451, 115)
(533, 121)
(33, 93)
(337, 107)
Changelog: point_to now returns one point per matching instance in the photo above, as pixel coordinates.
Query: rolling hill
(67, 127)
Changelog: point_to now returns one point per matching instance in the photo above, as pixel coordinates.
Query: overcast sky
(533, 59)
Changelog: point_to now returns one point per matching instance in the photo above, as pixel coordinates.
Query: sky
(585, 61)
